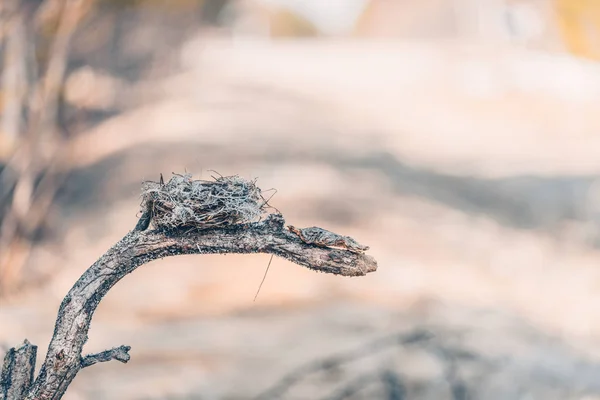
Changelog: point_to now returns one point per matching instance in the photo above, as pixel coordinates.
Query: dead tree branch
(64, 357)
(17, 371)
(120, 353)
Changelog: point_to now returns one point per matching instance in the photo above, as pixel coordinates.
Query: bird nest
(184, 203)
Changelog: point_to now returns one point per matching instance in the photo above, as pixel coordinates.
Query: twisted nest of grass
(184, 203)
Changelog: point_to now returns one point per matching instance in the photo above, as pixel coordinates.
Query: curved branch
(138, 247)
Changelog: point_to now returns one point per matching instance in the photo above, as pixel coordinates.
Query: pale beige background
(469, 166)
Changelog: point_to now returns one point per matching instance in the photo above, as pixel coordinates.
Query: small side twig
(120, 353)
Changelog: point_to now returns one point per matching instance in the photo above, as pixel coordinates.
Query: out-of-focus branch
(25, 203)
(393, 385)
(290, 379)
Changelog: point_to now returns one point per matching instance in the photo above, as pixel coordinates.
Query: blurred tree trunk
(33, 74)
(41, 42)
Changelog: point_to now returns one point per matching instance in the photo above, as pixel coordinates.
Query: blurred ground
(471, 171)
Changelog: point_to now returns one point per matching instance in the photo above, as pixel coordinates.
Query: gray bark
(64, 357)
(17, 371)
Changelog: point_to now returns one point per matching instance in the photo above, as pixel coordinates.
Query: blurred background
(459, 139)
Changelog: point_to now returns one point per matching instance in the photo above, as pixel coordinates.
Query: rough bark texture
(120, 353)
(64, 357)
(17, 371)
